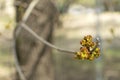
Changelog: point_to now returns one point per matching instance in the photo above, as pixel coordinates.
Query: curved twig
(23, 25)
(15, 34)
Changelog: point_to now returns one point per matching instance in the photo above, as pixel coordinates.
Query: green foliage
(107, 4)
(88, 3)
(63, 5)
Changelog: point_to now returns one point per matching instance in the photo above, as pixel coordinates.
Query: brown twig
(23, 25)
(24, 19)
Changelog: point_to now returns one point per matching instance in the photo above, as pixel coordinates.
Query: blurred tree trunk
(34, 57)
(108, 5)
(111, 5)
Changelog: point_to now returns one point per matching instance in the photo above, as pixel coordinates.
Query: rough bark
(34, 57)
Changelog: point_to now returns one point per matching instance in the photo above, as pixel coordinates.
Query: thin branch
(18, 68)
(29, 10)
(16, 33)
(24, 19)
(23, 25)
(25, 5)
(27, 14)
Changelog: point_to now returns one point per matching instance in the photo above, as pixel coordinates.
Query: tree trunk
(35, 58)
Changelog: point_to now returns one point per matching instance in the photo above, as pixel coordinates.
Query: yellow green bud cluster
(89, 49)
(87, 41)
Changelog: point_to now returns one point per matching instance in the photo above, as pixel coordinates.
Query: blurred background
(99, 18)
